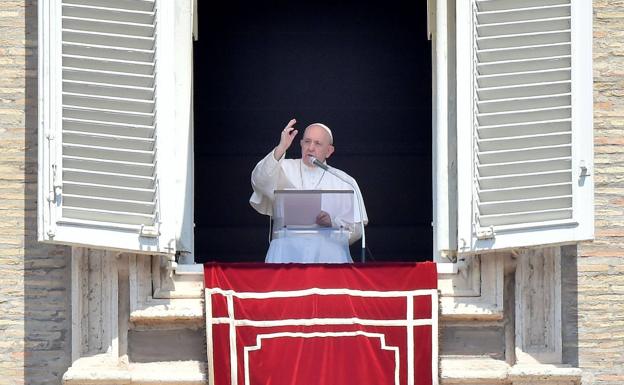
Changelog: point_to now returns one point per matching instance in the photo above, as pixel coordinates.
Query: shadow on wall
(569, 305)
(47, 268)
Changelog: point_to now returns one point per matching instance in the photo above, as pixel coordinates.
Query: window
(512, 137)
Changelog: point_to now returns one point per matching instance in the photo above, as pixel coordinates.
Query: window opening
(362, 68)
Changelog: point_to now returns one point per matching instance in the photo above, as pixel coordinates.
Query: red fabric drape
(322, 324)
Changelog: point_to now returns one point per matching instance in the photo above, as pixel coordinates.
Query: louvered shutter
(524, 123)
(106, 109)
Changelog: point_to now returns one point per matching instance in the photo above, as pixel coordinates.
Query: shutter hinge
(149, 231)
(486, 233)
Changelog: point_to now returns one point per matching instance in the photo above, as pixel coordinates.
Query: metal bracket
(486, 233)
(57, 188)
(585, 169)
(149, 231)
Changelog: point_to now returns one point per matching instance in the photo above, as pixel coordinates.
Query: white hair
(331, 136)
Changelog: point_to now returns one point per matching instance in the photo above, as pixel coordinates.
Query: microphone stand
(330, 170)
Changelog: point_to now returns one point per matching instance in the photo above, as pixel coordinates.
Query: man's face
(315, 142)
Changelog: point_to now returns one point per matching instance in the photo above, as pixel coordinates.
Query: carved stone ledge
(476, 292)
(544, 374)
(173, 372)
(99, 371)
(177, 314)
(487, 371)
(473, 370)
(148, 281)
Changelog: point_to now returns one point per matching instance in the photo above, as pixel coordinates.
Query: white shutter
(524, 123)
(105, 113)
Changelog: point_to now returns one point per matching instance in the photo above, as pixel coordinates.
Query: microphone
(318, 163)
(326, 167)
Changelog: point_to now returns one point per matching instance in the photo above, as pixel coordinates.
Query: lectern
(297, 238)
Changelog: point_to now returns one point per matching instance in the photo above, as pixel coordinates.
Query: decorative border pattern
(408, 323)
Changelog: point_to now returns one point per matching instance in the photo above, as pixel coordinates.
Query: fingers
(291, 123)
(290, 130)
(286, 138)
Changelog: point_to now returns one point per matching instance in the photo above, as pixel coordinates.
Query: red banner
(294, 324)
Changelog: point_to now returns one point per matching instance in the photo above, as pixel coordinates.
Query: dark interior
(362, 68)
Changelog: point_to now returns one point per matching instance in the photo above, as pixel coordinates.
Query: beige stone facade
(35, 311)
(34, 278)
(600, 265)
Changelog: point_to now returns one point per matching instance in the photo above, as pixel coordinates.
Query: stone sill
(477, 370)
(174, 313)
(89, 371)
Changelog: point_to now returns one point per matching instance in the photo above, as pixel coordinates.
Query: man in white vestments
(274, 172)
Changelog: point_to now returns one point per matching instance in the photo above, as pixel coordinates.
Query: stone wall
(601, 263)
(34, 278)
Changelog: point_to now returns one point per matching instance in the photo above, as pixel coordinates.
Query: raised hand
(286, 138)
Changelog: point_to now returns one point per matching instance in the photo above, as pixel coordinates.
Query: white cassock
(270, 175)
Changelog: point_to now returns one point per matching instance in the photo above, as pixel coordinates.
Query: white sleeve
(264, 179)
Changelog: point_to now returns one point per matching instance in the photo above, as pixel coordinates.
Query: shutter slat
(519, 78)
(523, 27)
(108, 26)
(524, 205)
(107, 77)
(524, 180)
(529, 128)
(108, 103)
(107, 179)
(496, 118)
(108, 116)
(500, 5)
(519, 53)
(497, 169)
(108, 153)
(90, 88)
(108, 39)
(113, 141)
(87, 11)
(523, 40)
(109, 65)
(527, 103)
(526, 217)
(107, 216)
(519, 13)
(525, 65)
(110, 128)
(524, 154)
(524, 90)
(97, 203)
(108, 166)
(523, 142)
(90, 50)
(135, 5)
(117, 192)
(523, 192)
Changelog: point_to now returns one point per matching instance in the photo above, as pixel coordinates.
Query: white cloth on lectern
(324, 246)
(270, 175)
